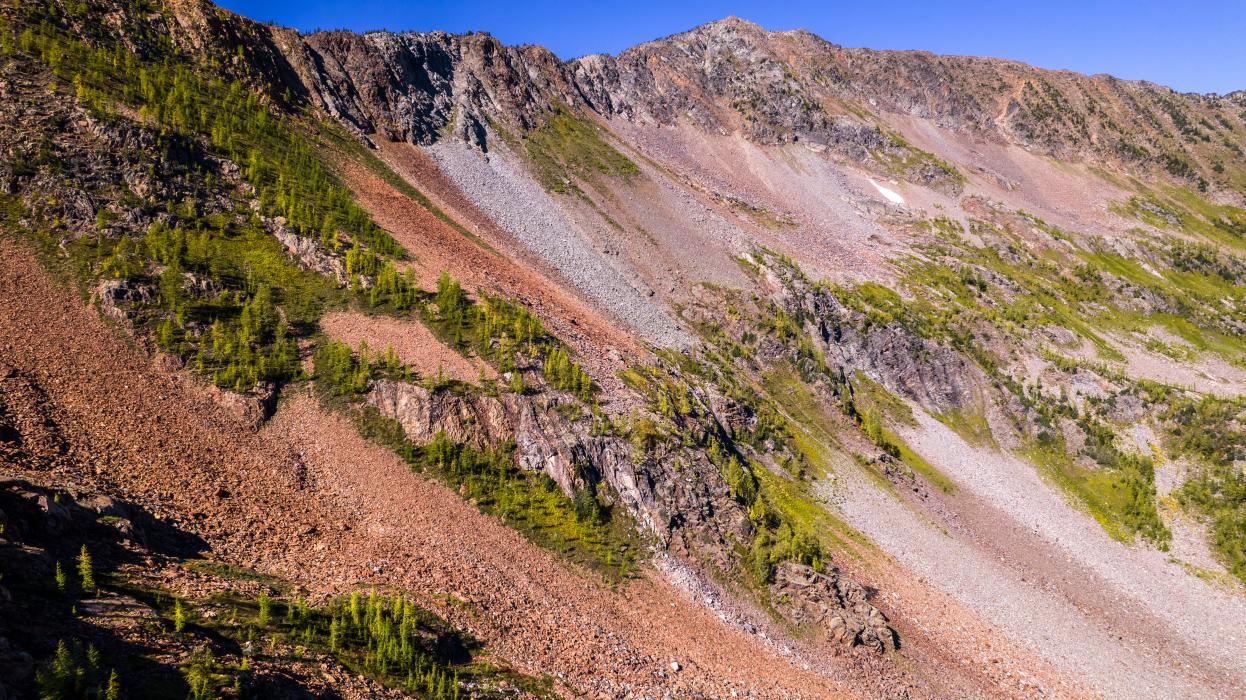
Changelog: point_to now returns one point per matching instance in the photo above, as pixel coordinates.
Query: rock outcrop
(837, 605)
(905, 363)
(679, 498)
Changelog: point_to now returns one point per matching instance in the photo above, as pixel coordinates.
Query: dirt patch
(415, 345)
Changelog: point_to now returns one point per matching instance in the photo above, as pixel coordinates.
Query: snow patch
(890, 194)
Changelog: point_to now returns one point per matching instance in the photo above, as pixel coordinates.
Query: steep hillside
(736, 364)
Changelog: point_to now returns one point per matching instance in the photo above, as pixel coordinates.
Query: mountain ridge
(736, 363)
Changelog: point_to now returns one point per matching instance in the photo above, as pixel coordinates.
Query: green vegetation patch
(234, 644)
(1219, 492)
(206, 281)
(388, 638)
(1180, 209)
(1116, 487)
(1121, 499)
(965, 296)
(971, 425)
(505, 334)
(1213, 431)
(904, 159)
(568, 146)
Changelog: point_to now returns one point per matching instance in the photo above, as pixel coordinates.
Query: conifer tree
(113, 690)
(265, 613)
(85, 572)
(179, 616)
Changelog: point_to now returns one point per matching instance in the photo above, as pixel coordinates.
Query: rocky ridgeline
(723, 77)
(732, 76)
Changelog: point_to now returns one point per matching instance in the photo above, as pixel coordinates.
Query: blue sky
(1192, 46)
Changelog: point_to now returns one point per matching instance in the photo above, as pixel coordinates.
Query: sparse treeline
(224, 296)
(388, 637)
(507, 334)
(584, 528)
(562, 373)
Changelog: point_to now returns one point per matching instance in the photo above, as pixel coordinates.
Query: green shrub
(1219, 491)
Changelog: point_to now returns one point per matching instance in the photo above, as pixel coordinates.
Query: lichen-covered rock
(308, 253)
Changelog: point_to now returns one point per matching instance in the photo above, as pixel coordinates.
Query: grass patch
(569, 147)
(230, 572)
(1180, 209)
(798, 506)
(1219, 492)
(1230, 348)
(871, 395)
(972, 426)
(910, 159)
(814, 436)
(1121, 500)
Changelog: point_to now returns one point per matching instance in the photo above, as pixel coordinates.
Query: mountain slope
(736, 363)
